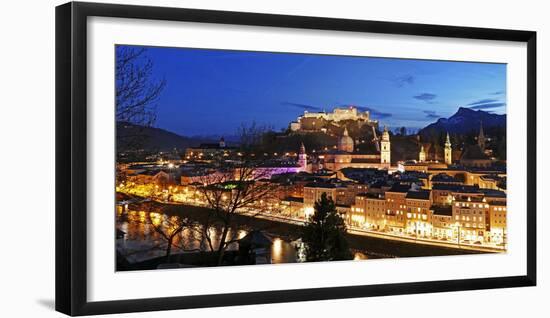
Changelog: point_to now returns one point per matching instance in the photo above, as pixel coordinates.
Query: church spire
(481, 137)
(448, 150)
(386, 134)
(385, 148)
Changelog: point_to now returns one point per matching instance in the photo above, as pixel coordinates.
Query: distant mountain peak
(465, 120)
(463, 111)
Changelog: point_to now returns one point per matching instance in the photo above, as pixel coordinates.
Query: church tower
(385, 149)
(302, 158)
(448, 151)
(422, 154)
(481, 137)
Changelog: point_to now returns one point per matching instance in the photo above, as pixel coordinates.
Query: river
(141, 241)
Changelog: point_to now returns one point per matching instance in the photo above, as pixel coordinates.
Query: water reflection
(142, 242)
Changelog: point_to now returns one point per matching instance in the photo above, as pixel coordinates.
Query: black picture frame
(71, 157)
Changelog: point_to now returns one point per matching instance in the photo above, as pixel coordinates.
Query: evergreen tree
(324, 233)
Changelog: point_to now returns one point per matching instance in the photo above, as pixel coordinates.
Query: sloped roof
(443, 177)
(456, 188)
(399, 187)
(418, 195)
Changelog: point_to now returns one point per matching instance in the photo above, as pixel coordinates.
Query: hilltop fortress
(320, 121)
(361, 148)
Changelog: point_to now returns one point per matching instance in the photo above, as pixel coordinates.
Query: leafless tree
(170, 229)
(136, 93)
(136, 90)
(251, 136)
(237, 187)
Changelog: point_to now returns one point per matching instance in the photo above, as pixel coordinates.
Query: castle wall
(316, 121)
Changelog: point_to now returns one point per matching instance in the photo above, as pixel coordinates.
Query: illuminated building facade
(419, 215)
(369, 211)
(318, 121)
(345, 156)
(385, 148)
(342, 195)
(447, 212)
(470, 216)
(396, 207)
(497, 222)
(442, 222)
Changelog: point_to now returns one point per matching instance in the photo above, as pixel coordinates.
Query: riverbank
(373, 247)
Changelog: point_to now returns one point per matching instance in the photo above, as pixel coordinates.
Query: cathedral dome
(345, 143)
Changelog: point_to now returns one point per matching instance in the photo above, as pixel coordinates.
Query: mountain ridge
(153, 138)
(464, 121)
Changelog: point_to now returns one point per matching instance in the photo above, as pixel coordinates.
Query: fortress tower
(448, 151)
(385, 148)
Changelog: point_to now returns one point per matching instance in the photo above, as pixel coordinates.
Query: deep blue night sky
(211, 92)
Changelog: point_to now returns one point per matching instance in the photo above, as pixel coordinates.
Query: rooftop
(456, 188)
(493, 193)
(443, 177)
(378, 184)
(324, 185)
(371, 195)
(399, 187)
(444, 210)
(418, 195)
(469, 198)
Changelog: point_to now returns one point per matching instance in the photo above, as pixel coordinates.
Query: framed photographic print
(209, 158)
